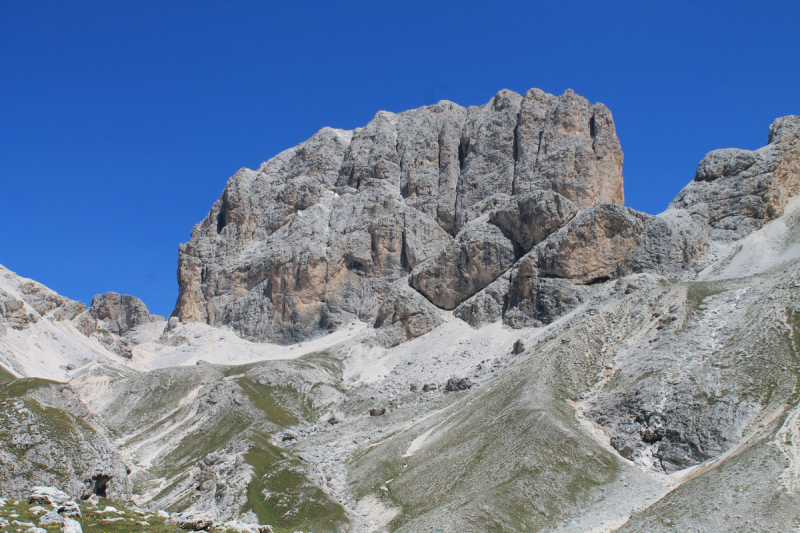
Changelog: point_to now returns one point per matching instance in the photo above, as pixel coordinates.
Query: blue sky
(120, 122)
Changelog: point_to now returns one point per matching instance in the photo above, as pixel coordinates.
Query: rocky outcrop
(529, 218)
(736, 191)
(478, 255)
(601, 243)
(331, 265)
(316, 236)
(49, 438)
(405, 315)
(568, 146)
(534, 301)
(26, 301)
(14, 314)
(509, 209)
(111, 320)
(608, 241)
(48, 302)
(120, 313)
(487, 306)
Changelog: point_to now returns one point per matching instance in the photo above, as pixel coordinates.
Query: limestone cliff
(317, 235)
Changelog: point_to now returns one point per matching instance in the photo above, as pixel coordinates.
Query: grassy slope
(5, 375)
(158, 403)
(293, 502)
(69, 433)
(92, 519)
(507, 457)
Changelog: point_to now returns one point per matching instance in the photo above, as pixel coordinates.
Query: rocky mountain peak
(317, 235)
(453, 202)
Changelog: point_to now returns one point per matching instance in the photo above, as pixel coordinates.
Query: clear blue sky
(120, 122)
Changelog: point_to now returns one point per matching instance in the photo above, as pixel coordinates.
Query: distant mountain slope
(467, 335)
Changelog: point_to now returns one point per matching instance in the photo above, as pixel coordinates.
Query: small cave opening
(601, 279)
(221, 222)
(355, 266)
(100, 483)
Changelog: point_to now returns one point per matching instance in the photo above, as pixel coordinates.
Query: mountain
(444, 321)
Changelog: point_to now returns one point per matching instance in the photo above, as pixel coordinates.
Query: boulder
(51, 518)
(191, 521)
(71, 526)
(69, 508)
(457, 384)
(48, 496)
(519, 347)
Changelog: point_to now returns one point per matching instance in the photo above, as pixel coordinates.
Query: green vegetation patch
(5, 375)
(215, 434)
(264, 397)
(323, 361)
(15, 388)
(697, 292)
(281, 495)
(94, 520)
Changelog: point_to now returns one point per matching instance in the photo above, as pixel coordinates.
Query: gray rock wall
(316, 236)
(451, 198)
(736, 191)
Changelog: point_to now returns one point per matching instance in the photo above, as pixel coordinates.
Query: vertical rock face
(317, 235)
(529, 218)
(479, 254)
(450, 200)
(570, 147)
(734, 192)
(405, 314)
(487, 152)
(429, 142)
